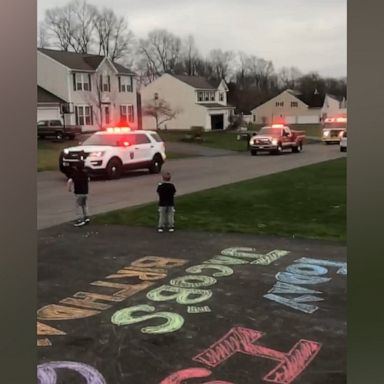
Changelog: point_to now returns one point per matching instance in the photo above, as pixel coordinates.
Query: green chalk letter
(126, 317)
(186, 296)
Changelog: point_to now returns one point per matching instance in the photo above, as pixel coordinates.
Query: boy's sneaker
(87, 220)
(80, 223)
(171, 229)
(160, 230)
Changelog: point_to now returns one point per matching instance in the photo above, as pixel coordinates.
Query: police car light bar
(277, 125)
(118, 129)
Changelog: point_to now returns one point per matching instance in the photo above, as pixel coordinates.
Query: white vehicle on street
(115, 150)
(343, 141)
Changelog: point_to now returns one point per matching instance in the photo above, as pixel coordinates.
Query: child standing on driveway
(79, 184)
(166, 191)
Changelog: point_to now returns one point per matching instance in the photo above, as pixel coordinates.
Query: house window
(221, 96)
(294, 104)
(84, 115)
(200, 96)
(125, 84)
(105, 83)
(279, 103)
(127, 113)
(254, 118)
(82, 82)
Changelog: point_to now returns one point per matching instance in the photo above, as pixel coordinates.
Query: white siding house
(96, 91)
(293, 108)
(195, 101)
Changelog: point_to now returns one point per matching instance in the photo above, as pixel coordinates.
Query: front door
(106, 110)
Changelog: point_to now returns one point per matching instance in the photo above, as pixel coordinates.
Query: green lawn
(308, 202)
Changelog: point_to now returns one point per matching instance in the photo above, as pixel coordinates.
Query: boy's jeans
(81, 206)
(166, 217)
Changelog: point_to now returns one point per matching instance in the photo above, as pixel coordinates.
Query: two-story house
(97, 91)
(292, 107)
(195, 101)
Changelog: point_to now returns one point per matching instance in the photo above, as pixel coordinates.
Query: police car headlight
(66, 151)
(326, 133)
(97, 154)
(274, 142)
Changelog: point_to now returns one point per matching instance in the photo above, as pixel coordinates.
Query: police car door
(143, 147)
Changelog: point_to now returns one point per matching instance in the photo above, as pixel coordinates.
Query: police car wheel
(114, 169)
(156, 165)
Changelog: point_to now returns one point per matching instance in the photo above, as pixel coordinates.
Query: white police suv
(115, 150)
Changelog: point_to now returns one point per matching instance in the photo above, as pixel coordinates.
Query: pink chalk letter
(190, 373)
(241, 340)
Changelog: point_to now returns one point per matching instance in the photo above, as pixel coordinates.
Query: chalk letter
(59, 312)
(46, 373)
(191, 281)
(241, 340)
(326, 263)
(141, 273)
(125, 290)
(296, 303)
(184, 296)
(190, 373)
(89, 300)
(224, 270)
(125, 317)
(291, 278)
(307, 269)
(158, 262)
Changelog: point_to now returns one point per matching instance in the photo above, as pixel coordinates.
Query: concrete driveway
(55, 205)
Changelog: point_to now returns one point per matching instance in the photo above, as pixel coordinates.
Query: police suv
(115, 150)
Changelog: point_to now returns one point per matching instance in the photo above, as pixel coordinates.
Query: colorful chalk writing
(305, 271)
(46, 373)
(190, 373)
(194, 309)
(187, 290)
(242, 340)
(86, 304)
(125, 317)
(185, 296)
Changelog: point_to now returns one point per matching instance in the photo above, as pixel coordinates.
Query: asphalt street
(55, 205)
(120, 305)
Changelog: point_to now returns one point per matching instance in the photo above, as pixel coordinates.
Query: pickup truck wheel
(279, 149)
(298, 148)
(59, 136)
(156, 164)
(253, 152)
(114, 168)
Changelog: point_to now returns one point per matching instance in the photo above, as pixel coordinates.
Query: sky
(308, 34)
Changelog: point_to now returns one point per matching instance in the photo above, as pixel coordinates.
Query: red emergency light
(277, 125)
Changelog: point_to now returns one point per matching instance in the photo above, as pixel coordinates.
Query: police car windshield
(105, 139)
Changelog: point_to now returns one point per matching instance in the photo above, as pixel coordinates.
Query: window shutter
(119, 79)
(91, 113)
(77, 115)
(109, 83)
(74, 81)
(90, 83)
(101, 83)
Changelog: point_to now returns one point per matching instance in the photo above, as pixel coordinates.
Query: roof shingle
(197, 82)
(44, 96)
(81, 61)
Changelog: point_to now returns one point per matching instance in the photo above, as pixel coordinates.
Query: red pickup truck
(276, 139)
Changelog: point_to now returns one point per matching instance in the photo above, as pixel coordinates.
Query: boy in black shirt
(166, 191)
(79, 184)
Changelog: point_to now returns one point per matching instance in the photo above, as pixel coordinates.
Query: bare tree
(288, 77)
(72, 25)
(189, 56)
(161, 51)
(114, 38)
(221, 62)
(160, 110)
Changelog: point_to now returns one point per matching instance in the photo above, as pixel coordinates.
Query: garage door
(48, 113)
(314, 119)
(290, 119)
